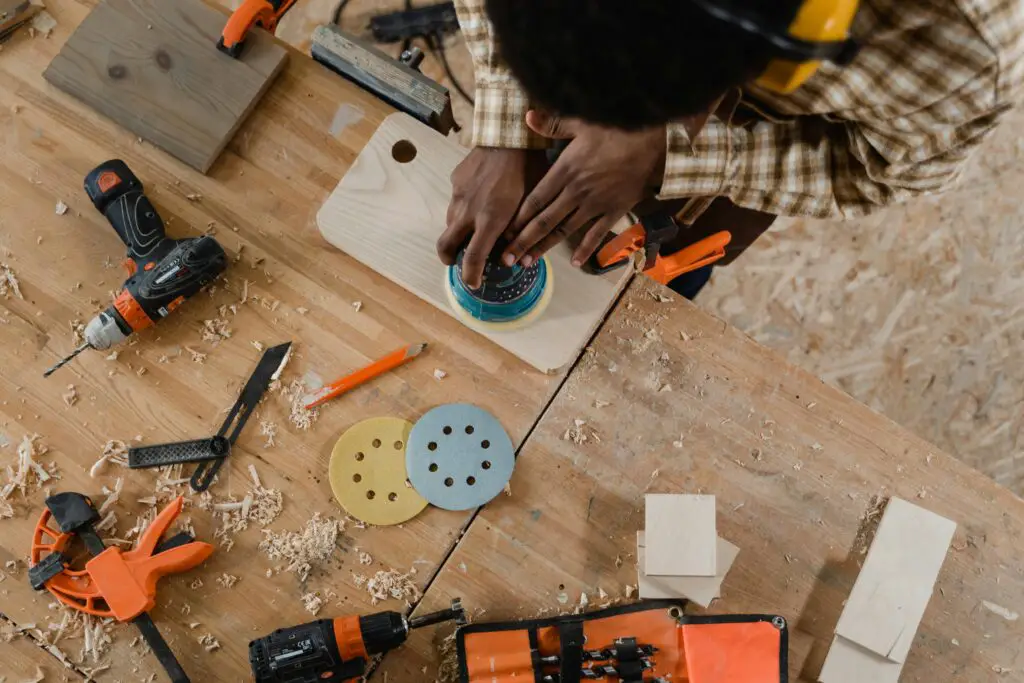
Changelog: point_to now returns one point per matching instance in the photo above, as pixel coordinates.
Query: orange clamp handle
(703, 253)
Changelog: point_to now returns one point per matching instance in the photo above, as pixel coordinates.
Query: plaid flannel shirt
(933, 78)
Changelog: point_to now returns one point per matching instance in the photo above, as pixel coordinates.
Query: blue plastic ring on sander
(504, 300)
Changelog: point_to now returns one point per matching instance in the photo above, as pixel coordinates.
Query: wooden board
(388, 215)
(897, 580)
(154, 68)
(22, 660)
(261, 197)
(680, 535)
(850, 663)
(795, 466)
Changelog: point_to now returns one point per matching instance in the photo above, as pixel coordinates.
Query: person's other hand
(601, 175)
(487, 188)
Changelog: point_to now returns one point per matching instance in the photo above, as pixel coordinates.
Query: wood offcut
(154, 68)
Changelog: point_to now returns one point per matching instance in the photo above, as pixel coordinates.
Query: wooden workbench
(794, 463)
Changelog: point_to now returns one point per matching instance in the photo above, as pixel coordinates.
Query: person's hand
(487, 188)
(601, 175)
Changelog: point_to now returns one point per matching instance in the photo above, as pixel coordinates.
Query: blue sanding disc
(459, 456)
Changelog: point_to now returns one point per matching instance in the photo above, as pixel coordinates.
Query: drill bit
(67, 359)
(455, 613)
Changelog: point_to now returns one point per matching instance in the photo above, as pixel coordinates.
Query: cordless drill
(163, 272)
(337, 650)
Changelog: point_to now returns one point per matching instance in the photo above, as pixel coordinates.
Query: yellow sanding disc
(488, 326)
(368, 474)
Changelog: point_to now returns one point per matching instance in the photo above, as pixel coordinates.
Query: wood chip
(312, 602)
(305, 549)
(439, 374)
(268, 430)
(71, 396)
(61, 208)
(197, 356)
(358, 305)
(208, 642)
(9, 283)
(227, 580)
(113, 451)
(214, 331)
(391, 584)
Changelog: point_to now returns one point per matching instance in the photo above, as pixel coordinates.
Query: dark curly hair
(628, 63)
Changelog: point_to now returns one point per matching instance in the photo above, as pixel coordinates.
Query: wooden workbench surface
(798, 469)
(793, 463)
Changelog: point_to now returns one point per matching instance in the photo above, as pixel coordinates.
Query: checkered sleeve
(499, 114)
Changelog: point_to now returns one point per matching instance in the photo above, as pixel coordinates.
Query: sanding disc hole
(469, 429)
(360, 456)
(398, 445)
(432, 446)
(470, 480)
(447, 430)
(371, 495)
(403, 151)
(449, 482)
(485, 444)
(486, 464)
(433, 467)
(392, 497)
(357, 478)
(376, 443)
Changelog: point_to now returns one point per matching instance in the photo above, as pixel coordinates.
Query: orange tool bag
(650, 641)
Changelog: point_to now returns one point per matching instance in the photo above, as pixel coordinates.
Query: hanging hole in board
(360, 456)
(486, 464)
(433, 467)
(376, 443)
(449, 482)
(371, 495)
(470, 480)
(392, 497)
(398, 445)
(403, 151)
(447, 430)
(469, 429)
(357, 478)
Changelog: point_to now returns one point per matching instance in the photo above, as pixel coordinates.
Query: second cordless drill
(164, 272)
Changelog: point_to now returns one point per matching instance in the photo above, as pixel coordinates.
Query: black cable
(436, 45)
(336, 20)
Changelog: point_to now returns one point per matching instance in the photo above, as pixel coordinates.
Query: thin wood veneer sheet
(848, 662)
(388, 216)
(892, 590)
(680, 535)
(700, 589)
(153, 67)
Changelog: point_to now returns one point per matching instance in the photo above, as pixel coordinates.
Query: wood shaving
(71, 397)
(29, 475)
(61, 208)
(299, 416)
(302, 311)
(306, 549)
(245, 292)
(313, 603)
(227, 580)
(9, 283)
(194, 197)
(580, 432)
(390, 584)
(439, 374)
(208, 642)
(112, 496)
(260, 505)
(365, 558)
(112, 356)
(197, 356)
(214, 331)
(448, 656)
(268, 429)
(113, 451)
(358, 305)
(77, 331)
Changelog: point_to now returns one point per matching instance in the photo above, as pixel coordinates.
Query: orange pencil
(375, 369)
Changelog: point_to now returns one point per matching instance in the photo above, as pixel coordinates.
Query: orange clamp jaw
(252, 13)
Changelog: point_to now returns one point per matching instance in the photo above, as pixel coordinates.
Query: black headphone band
(776, 33)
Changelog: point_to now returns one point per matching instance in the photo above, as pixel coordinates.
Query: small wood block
(681, 535)
(848, 662)
(699, 589)
(892, 590)
(389, 209)
(154, 67)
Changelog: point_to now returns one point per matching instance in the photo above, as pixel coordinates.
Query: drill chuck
(103, 331)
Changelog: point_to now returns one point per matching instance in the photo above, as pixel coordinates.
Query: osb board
(261, 198)
(795, 466)
(154, 68)
(388, 215)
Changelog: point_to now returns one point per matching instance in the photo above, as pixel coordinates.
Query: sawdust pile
(306, 549)
(113, 451)
(27, 475)
(260, 505)
(9, 285)
(268, 430)
(299, 416)
(391, 584)
(448, 656)
(214, 331)
(313, 603)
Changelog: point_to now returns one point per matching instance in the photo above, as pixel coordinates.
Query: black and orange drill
(113, 583)
(250, 14)
(163, 272)
(336, 650)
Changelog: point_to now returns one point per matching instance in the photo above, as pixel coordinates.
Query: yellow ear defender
(820, 32)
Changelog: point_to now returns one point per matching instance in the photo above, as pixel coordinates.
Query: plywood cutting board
(388, 215)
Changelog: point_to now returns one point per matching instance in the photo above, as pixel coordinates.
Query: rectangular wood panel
(154, 68)
(388, 215)
(681, 536)
(700, 589)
